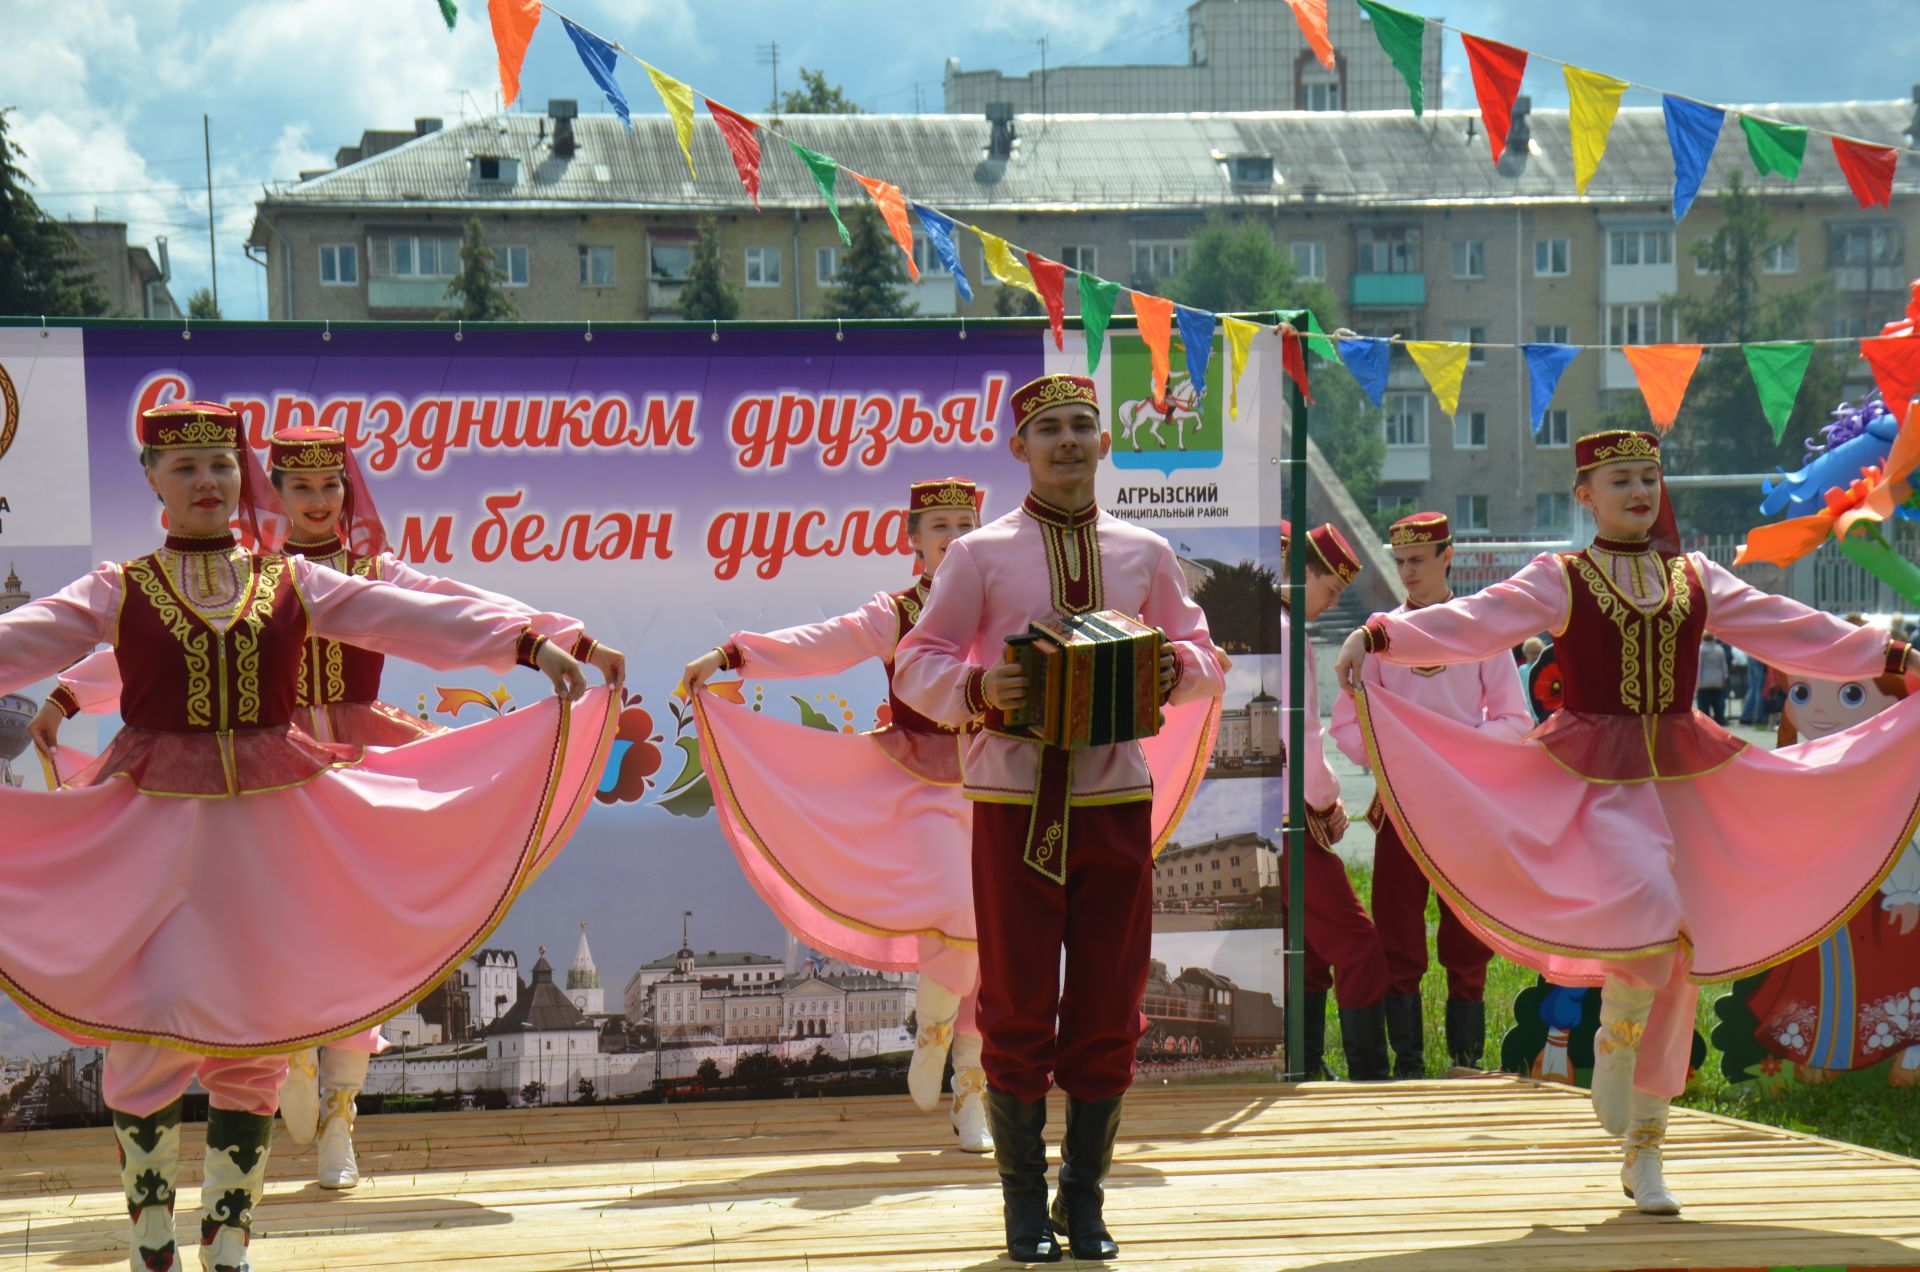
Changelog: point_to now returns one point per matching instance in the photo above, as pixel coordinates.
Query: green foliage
(1017, 302)
(474, 294)
(1242, 604)
(200, 304)
(872, 279)
(43, 269)
(709, 295)
(815, 97)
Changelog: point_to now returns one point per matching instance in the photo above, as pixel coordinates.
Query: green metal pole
(1296, 829)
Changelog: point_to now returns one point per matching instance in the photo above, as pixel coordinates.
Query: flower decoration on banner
(634, 761)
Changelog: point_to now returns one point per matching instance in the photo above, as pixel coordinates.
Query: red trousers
(1400, 915)
(1343, 950)
(1036, 1031)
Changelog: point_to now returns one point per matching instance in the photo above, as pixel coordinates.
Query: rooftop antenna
(768, 54)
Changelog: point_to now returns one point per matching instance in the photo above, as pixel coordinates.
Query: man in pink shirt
(1062, 840)
(1484, 695)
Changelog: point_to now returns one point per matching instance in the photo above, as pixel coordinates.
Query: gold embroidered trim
(1073, 561)
(1672, 619)
(1619, 1035)
(193, 644)
(202, 431)
(314, 456)
(1630, 623)
(246, 636)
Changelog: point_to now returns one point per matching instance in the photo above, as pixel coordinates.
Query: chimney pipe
(563, 110)
(1000, 115)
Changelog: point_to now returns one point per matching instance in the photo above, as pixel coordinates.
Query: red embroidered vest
(907, 607)
(181, 673)
(1615, 658)
(332, 672)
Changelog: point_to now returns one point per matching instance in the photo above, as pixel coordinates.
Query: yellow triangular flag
(1240, 334)
(1006, 267)
(1444, 363)
(1595, 101)
(679, 102)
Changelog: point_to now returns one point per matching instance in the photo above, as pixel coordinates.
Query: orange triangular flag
(1312, 17)
(893, 208)
(1155, 315)
(513, 24)
(1896, 367)
(1663, 372)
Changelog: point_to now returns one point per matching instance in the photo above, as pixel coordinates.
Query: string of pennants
(1662, 371)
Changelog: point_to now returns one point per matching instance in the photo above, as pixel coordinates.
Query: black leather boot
(1466, 1032)
(1020, 1150)
(1086, 1154)
(1313, 1066)
(1406, 1030)
(1363, 1032)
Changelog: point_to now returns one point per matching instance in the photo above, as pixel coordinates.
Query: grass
(1857, 1108)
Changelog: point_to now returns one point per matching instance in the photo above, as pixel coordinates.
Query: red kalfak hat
(1615, 446)
(1421, 527)
(946, 492)
(1334, 552)
(1050, 391)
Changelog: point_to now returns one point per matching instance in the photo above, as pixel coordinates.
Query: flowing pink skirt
(193, 923)
(1748, 864)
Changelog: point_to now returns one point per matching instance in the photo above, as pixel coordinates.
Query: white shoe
(1641, 1175)
(338, 1167)
(300, 1096)
(969, 1113)
(935, 1007)
(1616, 1048)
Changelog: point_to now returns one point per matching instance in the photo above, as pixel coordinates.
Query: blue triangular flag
(1545, 362)
(599, 58)
(1692, 128)
(940, 229)
(1196, 333)
(1367, 358)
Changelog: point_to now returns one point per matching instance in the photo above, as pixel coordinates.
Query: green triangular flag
(1775, 147)
(1777, 372)
(449, 11)
(1097, 299)
(826, 172)
(1316, 335)
(1403, 35)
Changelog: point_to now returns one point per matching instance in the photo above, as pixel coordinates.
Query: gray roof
(1075, 162)
(541, 1007)
(713, 958)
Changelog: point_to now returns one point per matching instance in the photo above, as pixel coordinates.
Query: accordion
(1092, 680)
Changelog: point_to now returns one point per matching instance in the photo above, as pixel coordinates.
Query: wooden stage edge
(1463, 1175)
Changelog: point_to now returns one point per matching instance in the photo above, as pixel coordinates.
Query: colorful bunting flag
(1004, 265)
(599, 57)
(1545, 365)
(1317, 338)
(1595, 101)
(1369, 360)
(1663, 372)
(1155, 317)
(1692, 130)
(940, 229)
(1293, 357)
(513, 23)
(450, 13)
(678, 99)
(1444, 364)
(1051, 279)
(1896, 368)
(1497, 72)
(1775, 147)
(1312, 17)
(826, 174)
(1777, 371)
(1869, 170)
(893, 210)
(1240, 334)
(1097, 299)
(1403, 35)
(1196, 335)
(743, 143)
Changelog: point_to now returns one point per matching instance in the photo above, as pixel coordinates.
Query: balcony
(1407, 464)
(1388, 291)
(406, 293)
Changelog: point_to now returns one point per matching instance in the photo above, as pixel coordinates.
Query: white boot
(300, 1096)
(337, 1167)
(969, 1114)
(1616, 1046)
(935, 1007)
(234, 1179)
(1640, 1174)
(149, 1158)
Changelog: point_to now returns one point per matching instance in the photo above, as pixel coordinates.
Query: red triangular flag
(1051, 278)
(1293, 357)
(513, 23)
(1663, 372)
(742, 144)
(1896, 367)
(1869, 170)
(1312, 17)
(1497, 70)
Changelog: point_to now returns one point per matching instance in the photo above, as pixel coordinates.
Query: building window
(1387, 250)
(1470, 430)
(1552, 258)
(1783, 258)
(415, 256)
(596, 266)
(1406, 419)
(1883, 243)
(1470, 258)
(1553, 511)
(1639, 247)
(512, 262)
(1080, 256)
(1558, 333)
(1253, 170)
(763, 267)
(1310, 261)
(1476, 340)
(1319, 89)
(339, 264)
(1555, 429)
(1636, 324)
(1470, 514)
(826, 265)
(1154, 259)
(670, 257)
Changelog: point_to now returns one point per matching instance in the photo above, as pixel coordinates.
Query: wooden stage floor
(1457, 1176)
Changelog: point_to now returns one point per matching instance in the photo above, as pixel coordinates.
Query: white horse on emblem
(1182, 408)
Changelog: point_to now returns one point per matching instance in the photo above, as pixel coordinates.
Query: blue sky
(110, 93)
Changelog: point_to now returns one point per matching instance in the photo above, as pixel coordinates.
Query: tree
(584, 1091)
(475, 290)
(708, 294)
(1242, 604)
(1017, 302)
(1238, 269)
(533, 1093)
(43, 269)
(759, 1071)
(1721, 427)
(200, 304)
(871, 281)
(815, 97)
(707, 1073)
